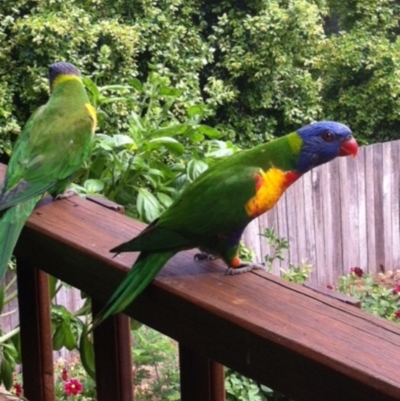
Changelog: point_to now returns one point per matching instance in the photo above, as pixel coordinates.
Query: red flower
(64, 375)
(396, 290)
(397, 314)
(18, 389)
(357, 271)
(73, 387)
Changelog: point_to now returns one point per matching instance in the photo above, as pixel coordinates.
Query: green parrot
(51, 148)
(212, 212)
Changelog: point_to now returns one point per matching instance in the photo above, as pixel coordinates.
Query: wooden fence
(340, 215)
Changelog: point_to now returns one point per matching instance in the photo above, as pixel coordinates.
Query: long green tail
(139, 277)
(11, 225)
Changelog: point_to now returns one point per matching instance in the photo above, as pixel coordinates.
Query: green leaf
(52, 286)
(165, 91)
(147, 205)
(94, 186)
(210, 132)
(6, 373)
(196, 137)
(197, 110)
(86, 352)
(58, 338)
(69, 339)
(170, 143)
(116, 87)
(115, 99)
(164, 199)
(135, 83)
(120, 140)
(1, 299)
(16, 340)
(92, 88)
(173, 130)
(195, 168)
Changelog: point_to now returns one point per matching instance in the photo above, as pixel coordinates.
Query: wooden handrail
(301, 343)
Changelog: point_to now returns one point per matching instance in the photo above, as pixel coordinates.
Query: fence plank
(386, 173)
(298, 207)
(310, 245)
(394, 204)
(282, 229)
(361, 208)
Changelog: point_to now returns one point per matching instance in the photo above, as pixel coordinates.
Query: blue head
(61, 68)
(322, 142)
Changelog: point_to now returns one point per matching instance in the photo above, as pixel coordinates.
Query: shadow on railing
(295, 340)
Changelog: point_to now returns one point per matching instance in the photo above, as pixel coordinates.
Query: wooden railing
(303, 344)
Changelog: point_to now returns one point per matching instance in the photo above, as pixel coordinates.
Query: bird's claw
(243, 268)
(199, 257)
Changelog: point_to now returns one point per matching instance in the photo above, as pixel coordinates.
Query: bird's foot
(243, 268)
(199, 257)
(67, 194)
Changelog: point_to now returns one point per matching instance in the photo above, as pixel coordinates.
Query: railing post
(201, 378)
(35, 326)
(113, 360)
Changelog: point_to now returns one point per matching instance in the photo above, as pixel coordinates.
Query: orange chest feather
(269, 186)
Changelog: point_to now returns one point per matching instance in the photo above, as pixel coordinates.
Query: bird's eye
(328, 136)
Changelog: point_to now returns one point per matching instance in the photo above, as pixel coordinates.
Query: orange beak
(349, 148)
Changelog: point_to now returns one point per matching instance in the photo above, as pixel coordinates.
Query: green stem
(9, 313)
(85, 309)
(58, 289)
(10, 297)
(8, 335)
(12, 282)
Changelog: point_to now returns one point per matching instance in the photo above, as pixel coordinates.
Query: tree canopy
(261, 67)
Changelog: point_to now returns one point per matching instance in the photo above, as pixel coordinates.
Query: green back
(52, 146)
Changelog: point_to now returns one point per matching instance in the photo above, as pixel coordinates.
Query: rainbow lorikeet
(51, 148)
(212, 212)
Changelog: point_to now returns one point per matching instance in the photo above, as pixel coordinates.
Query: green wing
(213, 204)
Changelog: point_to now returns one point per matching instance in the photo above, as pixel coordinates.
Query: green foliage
(108, 41)
(265, 56)
(261, 69)
(297, 273)
(158, 154)
(245, 254)
(156, 366)
(375, 298)
(240, 388)
(360, 69)
(278, 246)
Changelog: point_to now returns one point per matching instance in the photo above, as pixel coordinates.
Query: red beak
(349, 148)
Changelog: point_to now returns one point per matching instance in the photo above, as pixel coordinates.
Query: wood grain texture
(201, 378)
(112, 346)
(36, 332)
(294, 340)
